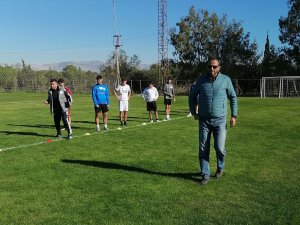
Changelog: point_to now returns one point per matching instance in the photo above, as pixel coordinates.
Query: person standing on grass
(212, 91)
(60, 101)
(150, 95)
(169, 94)
(191, 87)
(61, 83)
(100, 96)
(122, 93)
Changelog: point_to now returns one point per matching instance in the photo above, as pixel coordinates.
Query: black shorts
(167, 101)
(102, 108)
(151, 106)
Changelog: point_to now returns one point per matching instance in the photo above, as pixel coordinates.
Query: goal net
(280, 87)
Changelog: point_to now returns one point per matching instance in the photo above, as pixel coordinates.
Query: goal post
(280, 87)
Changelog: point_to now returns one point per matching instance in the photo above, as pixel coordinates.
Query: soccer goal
(280, 87)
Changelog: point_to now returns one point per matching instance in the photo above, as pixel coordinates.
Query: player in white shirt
(150, 94)
(123, 92)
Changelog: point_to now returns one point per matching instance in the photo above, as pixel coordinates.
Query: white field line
(86, 134)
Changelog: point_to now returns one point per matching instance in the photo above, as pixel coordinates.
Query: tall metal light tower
(117, 43)
(163, 34)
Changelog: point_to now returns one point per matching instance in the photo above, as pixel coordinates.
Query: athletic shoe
(58, 136)
(151, 121)
(204, 181)
(157, 120)
(125, 123)
(219, 174)
(121, 123)
(97, 128)
(69, 136)
(169, 118)
(189, 115)
(106, 129)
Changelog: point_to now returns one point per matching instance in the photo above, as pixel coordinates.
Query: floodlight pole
(163, 34)
(117, 43)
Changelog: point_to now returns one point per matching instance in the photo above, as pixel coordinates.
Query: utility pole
(117, 43)
(163, 34)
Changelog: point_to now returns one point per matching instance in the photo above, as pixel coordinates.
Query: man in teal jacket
(210, 94)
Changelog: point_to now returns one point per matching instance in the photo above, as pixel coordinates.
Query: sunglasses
(212, 66)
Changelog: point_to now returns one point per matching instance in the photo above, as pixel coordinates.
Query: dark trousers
(58, 116)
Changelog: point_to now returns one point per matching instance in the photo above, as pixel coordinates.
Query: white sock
(105, 125)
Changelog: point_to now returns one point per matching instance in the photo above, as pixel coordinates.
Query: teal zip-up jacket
(211, 97)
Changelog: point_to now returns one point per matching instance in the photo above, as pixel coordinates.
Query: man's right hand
(232, 121)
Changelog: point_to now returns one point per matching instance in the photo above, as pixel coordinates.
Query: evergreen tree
(266, 59)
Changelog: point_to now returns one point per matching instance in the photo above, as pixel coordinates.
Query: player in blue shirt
(100, 95)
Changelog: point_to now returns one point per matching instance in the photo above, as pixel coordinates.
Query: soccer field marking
(24, 146)
(88, 134)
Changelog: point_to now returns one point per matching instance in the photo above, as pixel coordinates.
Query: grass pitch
(146, 174)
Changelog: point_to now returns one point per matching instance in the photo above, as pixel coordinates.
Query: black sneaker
(204, 181)
(121, 123)
(219, 174)
(125, 122)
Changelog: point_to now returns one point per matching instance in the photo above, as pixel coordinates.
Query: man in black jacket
(59, 101)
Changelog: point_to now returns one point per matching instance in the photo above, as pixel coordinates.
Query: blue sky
(51, 31)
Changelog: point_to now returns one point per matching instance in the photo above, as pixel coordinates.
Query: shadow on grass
(135, 118)
(83, 121)
(39, 126)
(115, 166)
(35, 126)
(23, 133)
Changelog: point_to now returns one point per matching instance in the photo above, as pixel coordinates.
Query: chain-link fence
(16, 81)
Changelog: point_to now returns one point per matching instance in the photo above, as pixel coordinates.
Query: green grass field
(146, 174)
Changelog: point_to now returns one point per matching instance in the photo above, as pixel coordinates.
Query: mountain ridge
(92, 65)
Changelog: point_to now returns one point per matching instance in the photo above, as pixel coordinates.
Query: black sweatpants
(58, 116)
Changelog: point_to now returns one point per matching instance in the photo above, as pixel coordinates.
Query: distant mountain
(144, 66)
(93, 66)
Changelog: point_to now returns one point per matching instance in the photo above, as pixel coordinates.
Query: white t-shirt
(123, 92)
(150, 94)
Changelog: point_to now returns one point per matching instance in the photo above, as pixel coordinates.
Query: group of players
(60, 101)
(211, 92)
